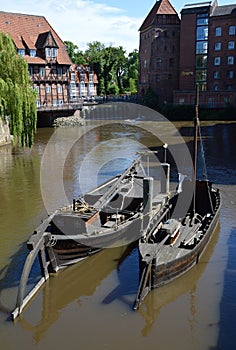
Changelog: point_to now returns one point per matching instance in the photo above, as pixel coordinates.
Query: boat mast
(196, 125)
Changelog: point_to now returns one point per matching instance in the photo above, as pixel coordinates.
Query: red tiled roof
(28, 28)
(162, 7)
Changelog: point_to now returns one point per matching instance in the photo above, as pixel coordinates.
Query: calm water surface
(89, 305)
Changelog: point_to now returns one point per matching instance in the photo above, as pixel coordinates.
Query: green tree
(17, 97)
(77, 56)
(94, 55)
(120, 65)
(132, 67)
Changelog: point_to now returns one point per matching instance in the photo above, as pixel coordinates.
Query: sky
(112, 22)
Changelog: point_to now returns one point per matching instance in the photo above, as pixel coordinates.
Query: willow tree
(17, 97)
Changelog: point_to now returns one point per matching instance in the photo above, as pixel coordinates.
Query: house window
(201, 47)
(216, 61)
(229, 87)
(216, 88)
(231, 45)
(218, 31)
(145, 64)
(91, 78)
(181, 101)
(48, 89)
(202, 33)
(54, 102)
(36, 88)
(38, 103)
(232, 30)
(202, 21)
(217, 46)
(32, 53)
(230, 60)
(42, 72)
(59, 71)
(31, 70)
(216, 75)
(82, 78)
(159, 62)
(51, 52)
(72, 76)
(230, 74)
(21, 52)
(201, 61)
(59, 89)
(158, 78)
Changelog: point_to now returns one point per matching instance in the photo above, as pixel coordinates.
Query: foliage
(17, 97)
(115, 70)
(75, 54)
(150, 99)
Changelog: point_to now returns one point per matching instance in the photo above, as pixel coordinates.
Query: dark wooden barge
(171, 247)
(109, 216)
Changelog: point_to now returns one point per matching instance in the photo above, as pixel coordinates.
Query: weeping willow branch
(17, 97)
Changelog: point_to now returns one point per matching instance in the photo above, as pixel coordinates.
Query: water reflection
(74, 303)
(160, 297)
(72, 284)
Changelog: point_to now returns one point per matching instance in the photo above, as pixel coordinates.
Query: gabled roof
(162, 7)
(224, 10)
(26, 29)
(46, 40)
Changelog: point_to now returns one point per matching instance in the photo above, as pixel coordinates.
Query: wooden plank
(39, 232)
(18, 310)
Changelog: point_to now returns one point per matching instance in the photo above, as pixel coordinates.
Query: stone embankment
(73, 120)
(5, 136)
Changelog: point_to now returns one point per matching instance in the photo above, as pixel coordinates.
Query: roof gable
(27, 30)
(162, 7)
(46, 40)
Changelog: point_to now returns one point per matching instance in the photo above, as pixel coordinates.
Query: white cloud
(85, 21)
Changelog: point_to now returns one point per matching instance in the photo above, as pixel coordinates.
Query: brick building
(159, 51)
(206, 55)
(57, 81)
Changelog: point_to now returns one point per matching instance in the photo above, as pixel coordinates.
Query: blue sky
(112, 22)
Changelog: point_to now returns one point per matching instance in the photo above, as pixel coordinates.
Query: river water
(89, 305)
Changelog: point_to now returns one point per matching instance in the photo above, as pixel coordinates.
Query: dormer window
(21, 52)
(32, 53)
(51, 52)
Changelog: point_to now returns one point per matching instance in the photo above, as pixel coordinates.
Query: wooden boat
(172, 246)
(109, 216)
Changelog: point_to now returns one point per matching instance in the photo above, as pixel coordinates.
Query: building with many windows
(159, 51)
(206, 55)
(58, 82)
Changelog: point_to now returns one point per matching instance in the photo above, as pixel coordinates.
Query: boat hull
(165, 273)
(176, 245)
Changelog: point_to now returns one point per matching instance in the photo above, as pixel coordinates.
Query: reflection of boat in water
(72, 284)
(160, 297)
(110, 215)
(170, 247)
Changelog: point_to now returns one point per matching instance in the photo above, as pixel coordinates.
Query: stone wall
(5, 137)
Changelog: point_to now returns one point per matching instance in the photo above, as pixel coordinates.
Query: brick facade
(205, 54)
(159, 51)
